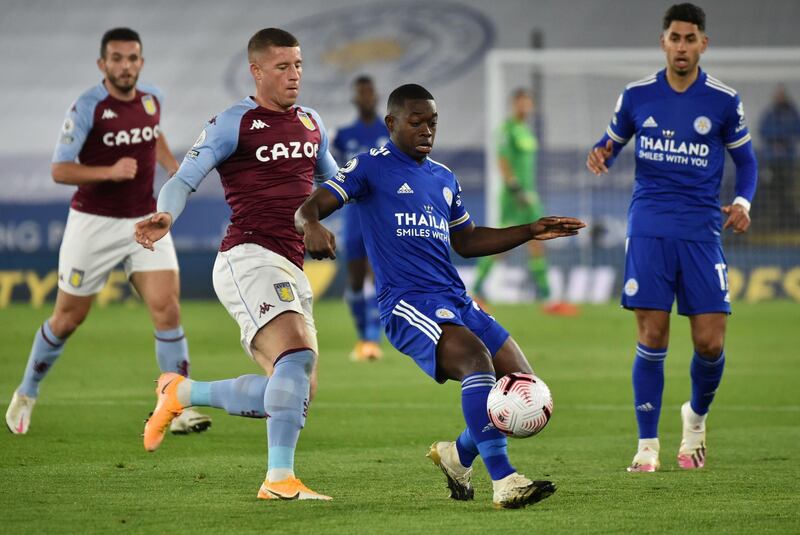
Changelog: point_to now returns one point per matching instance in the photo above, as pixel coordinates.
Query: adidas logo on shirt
(650, 123)
(108, 113)
(258, 124)
(405, 188)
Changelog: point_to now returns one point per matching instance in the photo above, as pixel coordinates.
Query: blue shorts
(353, 237)
(659, 269)
(413, 326)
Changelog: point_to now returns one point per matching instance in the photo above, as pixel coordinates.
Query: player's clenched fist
(596, 161)
(124, 169)
(320, 242)
(150, 230)
(551, 227)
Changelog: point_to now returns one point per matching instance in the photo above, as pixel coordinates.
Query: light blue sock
(243, 396)
(172, 351)
(286, 405)
(46, 349)
(648, 388)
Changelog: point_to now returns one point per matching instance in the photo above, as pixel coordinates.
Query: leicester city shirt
(407, 210)
(680, 152)
(359, 137)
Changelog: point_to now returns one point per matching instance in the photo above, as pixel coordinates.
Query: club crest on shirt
(285, 292)
(444, 314)
(448, 195)
(702, 125)
(350, 165)
(149, 104)
(76, 278)
(306, 120)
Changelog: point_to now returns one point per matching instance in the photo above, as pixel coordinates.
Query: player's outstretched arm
(76, 174)
(171, 202)
(320, 242)
(484, 241)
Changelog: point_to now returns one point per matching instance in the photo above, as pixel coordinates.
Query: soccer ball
(519, 405)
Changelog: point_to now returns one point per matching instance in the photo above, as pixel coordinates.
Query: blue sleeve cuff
(173, 196)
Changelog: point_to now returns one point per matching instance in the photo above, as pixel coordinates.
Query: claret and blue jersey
(407, 211)
(680, 152)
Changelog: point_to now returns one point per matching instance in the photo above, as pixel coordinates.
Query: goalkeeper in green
(519, 201)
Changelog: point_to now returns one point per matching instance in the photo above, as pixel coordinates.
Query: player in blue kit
(683, 120)
(411, 212)
(367, 132)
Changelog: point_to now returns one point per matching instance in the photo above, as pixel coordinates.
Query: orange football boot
(166, 410)
(288, 489)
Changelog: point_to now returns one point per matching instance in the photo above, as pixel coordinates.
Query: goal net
(575, 92)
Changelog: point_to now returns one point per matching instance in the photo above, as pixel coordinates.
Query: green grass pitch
(82, 468)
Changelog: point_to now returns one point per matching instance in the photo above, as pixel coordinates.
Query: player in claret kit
(109, 145)
(267, 150)
(683, 119)
(411, 211)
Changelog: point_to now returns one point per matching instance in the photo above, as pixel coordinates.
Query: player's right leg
(48, 344)
(89, 251)
(650, 275)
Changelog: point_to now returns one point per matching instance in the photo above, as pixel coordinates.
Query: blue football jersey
(680, 152)
(407, 211)
(359, 137)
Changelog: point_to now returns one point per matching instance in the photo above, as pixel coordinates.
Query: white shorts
(256, 285)
(94, 245)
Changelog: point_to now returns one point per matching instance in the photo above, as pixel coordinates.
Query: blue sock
(46, 348)
(358, 309)
(243, 396)
(286, 405)
(372, 326)
(648, 387)
(706, 376)
(467, 450)
(172, 351)
(491, 444)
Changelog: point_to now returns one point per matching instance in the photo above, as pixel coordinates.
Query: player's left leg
(703, 296)
(160, 290)
(708, 363)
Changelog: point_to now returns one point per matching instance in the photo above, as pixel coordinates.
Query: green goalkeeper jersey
(518, 146)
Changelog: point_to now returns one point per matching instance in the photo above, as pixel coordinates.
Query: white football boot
(18, 415)
(646, 459)
(189, 421)
(445, 456)
(515, 491)
(692, 453)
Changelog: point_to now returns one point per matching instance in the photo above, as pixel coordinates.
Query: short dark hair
(363, 79)
(686, 13)
(118, 34)
(270, 37)
(398, 97)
